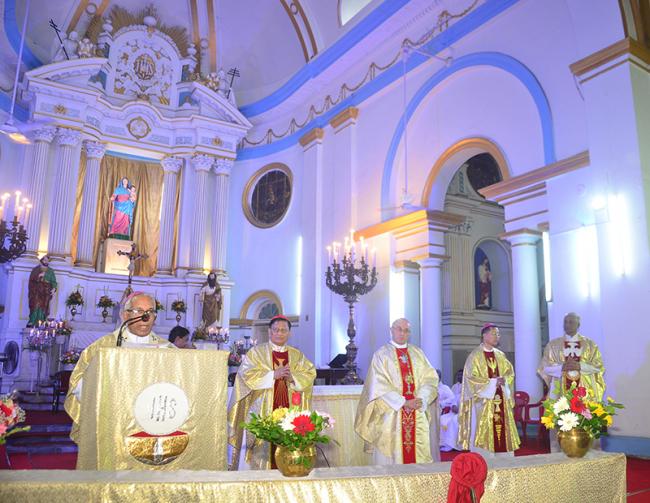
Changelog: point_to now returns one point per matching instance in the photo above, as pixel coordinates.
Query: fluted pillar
(525, 307)
(87, 221)
(171, 166)
(63, 207)
(36, 192)
(202, 163)
(220, 217)
(431, 309)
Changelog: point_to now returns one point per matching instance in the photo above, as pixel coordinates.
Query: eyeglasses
(403, 330)
(141, 312)
(276, 330)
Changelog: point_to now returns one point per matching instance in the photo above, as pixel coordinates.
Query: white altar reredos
(142, 101)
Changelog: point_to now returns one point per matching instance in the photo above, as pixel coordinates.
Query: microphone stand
(126, 323)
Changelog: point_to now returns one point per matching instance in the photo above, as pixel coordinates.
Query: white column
(171, 166)
(36, 193)
(86, 235)
(431, 309)
(202, 164)
(220, 216)
(63, 207)
(525, 306)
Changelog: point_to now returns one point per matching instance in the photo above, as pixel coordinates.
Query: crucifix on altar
(133, 257)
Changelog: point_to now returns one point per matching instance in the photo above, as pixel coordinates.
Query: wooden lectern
(154, 409)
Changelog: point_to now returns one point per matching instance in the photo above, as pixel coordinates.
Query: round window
(267, 195)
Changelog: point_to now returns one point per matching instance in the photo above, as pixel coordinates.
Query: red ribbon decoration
(468, 474)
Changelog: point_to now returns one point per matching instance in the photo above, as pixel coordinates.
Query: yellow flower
(610, 399)
(278, 414)
(548, 422)
(608, 420)
(599, 411)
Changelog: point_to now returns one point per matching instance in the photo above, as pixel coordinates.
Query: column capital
(521, 237)
(202, 162)
(94, 149)
(68, 137)
(347, 117)
(223, 166)
(432, 261)
(45, 134)
(171, 164)
(314, 136)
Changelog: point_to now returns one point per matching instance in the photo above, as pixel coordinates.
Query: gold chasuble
(398, 374)
(586, 352)
(485, 417)
(256, 391)
(72, 404)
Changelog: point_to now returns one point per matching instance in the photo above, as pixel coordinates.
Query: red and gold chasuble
(408, 416)
(280, 390)
(499, 418)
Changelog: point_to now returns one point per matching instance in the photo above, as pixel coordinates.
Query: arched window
(260, 307)
(350, 8)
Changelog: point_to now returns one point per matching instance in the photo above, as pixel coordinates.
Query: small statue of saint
(212, 300)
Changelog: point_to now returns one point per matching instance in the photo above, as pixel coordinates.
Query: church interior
(343, 164)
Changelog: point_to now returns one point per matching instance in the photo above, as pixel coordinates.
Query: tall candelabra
(13, 237)
(351, 277)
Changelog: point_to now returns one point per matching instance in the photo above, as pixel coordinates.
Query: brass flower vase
(574, 443)
(298, 463)
(178, 317)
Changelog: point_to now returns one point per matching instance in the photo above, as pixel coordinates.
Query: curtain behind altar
(148, 178)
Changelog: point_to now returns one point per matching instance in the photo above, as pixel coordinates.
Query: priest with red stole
(486, 423)
(397, 415)
(268, 376)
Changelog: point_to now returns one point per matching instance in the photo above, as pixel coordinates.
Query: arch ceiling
(267, 41)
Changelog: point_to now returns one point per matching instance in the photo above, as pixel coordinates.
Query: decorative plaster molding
(438, 220)
(94, 149)
(223, 166)
(45, 134)
(68, 137)
(626, 47)
(534, 177)
(202, 162)
(521, 236)
(347, 117)
(315, 134)
(171, 164)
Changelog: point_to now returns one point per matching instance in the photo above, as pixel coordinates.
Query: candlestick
(17, 199)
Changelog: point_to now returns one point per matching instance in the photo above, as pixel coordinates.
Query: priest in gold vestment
(137, 305)
(397, 415)
(268, 375)
(486, 423)
(570, 359)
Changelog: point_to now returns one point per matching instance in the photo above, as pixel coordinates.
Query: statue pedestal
(111, 262)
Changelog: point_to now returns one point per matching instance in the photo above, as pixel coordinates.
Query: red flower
(580, 392)
(577, 405)
(296, 399)
(7, 411)
(302, 425)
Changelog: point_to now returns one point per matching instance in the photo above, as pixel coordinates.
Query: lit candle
(374, 257)
(329, 255)
(336, 251)
(17, 199)
(19, 212)
(352, 235)
(29, 208)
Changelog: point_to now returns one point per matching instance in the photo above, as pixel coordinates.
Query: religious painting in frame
(267, 195)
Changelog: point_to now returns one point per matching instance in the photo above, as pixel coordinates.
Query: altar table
(544, 478)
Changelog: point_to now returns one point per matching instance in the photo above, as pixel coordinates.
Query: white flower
(560, 405)
(568, 421)
(286, 423)
(329, 420)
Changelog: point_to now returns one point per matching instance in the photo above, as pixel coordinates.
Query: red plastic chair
(61, 385)
(542, 432)
(521, 403)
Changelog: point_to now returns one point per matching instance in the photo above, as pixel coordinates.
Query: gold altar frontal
(547, 478)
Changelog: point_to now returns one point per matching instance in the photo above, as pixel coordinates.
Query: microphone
(143, 317)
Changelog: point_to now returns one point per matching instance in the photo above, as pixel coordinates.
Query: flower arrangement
(10, 415)
(292, 428)
(105, 302)
(74, 299)
(64, 328)
(159, 306)
(577, 409)
(234, 359)
(71, 356)
(200, 334)
(179, 306)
